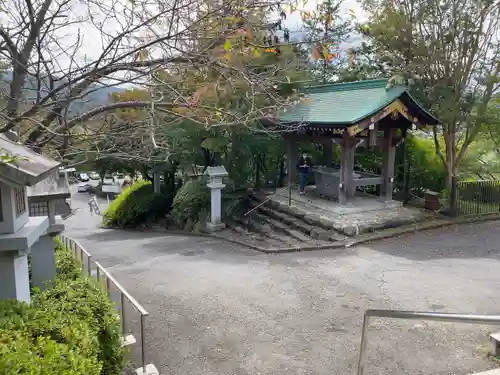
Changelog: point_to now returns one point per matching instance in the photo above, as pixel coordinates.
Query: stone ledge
(490, 372)
(363, 238)
(25, 237)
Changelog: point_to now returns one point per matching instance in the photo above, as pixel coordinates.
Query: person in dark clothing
(304, 167)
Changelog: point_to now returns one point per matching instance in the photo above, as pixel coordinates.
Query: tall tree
(448, 51)
(326, 29)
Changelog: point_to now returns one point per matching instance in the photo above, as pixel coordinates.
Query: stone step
(294, 212)
(313, 231)
(260, 226)
(282, 227)
(287, 219)
(236, 232)
(237, 228)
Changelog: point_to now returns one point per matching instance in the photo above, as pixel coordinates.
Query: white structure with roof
(46, 198)
(216, 185)
(18, 231)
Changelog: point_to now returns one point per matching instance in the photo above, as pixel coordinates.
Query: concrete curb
(350, 242)
(418, 227)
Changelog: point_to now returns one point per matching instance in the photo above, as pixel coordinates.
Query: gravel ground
(217, 308)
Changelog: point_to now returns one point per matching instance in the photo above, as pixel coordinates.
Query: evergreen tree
(326, 30)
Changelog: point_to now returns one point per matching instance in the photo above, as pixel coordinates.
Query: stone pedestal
(14, 276)
(43, 259)
(215, 222)
(215, 184)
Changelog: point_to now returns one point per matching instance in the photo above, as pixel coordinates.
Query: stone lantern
(215, 175)
(47, 198)
(18, 231)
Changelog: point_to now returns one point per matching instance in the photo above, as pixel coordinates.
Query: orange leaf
(315, 53)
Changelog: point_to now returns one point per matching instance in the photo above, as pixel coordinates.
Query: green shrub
(42, 356)
(71, 328)
(191, 204)
(426, 170)
(137, 204)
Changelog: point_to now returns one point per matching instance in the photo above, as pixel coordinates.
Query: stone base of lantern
(43, 258)
(149, 369)
(14, 276)
(14, 247)
(215, 227)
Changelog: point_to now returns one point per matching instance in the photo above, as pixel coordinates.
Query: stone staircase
(273, 228)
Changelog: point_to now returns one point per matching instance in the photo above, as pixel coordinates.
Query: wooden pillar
(342, 189)
(389, 153)
(328, 152)
(347, 152)
(349, 170)
(291, 157)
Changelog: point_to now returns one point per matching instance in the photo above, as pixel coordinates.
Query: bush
(191, 204)
(70, 328)
(137, 204)
(426, 170)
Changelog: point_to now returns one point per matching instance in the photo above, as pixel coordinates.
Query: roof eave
(17, 176)
(430, 118)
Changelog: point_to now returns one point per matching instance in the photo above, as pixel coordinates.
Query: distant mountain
(98, 95)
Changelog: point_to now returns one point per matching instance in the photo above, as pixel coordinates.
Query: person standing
(304, 167)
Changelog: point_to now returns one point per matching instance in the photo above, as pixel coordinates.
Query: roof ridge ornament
(396, 80)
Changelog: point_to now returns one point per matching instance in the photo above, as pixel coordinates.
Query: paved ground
(220, 309)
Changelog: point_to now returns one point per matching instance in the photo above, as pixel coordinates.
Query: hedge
(191, 204)
(137, 204)
(71, 328)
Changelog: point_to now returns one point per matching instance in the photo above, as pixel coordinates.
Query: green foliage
(137, 204)
(190, 204)
(425, 170)
(71, 328)
(414, 39)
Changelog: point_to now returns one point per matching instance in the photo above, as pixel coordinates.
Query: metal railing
(289, 188)
(415, 315)
(476, 198)
(95, 270)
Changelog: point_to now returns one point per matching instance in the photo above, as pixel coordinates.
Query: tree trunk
(452, 189)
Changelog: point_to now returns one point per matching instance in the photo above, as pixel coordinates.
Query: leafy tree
(325, 31)
(233, 45)
(448, 51)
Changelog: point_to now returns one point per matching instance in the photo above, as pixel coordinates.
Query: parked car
(108, 180)
(83, 177)
(83, 187)
(94, 176)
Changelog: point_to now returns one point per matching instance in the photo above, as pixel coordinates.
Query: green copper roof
(348, 103)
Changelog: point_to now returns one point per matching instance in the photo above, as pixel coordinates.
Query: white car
(94, 176)
(83, 187)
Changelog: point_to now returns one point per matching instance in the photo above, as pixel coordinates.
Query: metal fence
(106, 280)
(476, 198)
(416, 315)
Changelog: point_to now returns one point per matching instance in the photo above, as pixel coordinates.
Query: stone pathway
(217, 308)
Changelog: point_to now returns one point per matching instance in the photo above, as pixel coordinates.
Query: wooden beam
(388, 165)
(396, 106)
